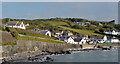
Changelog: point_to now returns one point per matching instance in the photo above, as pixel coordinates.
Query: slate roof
(43, 32)
(80, 22)
(111, 31)
(18, 24)
(77, 39)
(11, 23)
(96, 37)
(80, 35)
(66, 32)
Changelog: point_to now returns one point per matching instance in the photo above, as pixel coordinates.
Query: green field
(36, 35)
(56, 23)
(38, 39)
(84, 32)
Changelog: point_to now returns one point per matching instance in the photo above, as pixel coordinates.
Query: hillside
(81, 31)
(7, 37)
(64, 24)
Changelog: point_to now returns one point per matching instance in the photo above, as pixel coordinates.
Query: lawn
(36, 35)
(84, 32)
(38, 39)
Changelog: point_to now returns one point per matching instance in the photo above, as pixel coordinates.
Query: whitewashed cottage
(113, 32)
(114, 40)
(46, 32)
(70, 40)
(15, 24)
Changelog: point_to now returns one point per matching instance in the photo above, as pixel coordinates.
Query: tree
(101, 30)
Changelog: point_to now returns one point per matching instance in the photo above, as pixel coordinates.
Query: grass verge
(38, 39)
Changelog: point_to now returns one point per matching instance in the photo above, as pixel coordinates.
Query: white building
(47, 33)
(113, 32)
(83, 40)
(99, 39)
(57, 34)
(114, 40)
(70, 40)
(15, 24)
(105, 38)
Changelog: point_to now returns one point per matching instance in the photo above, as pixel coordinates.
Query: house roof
(18, 24)
(96, 37)
(80, 35)
(111, 31)
(43, 32)
(12, 22)
(66, 37)
(77, 39)
(80, 22)
(66, 32)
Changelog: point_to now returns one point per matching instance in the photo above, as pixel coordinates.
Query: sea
(89, 56)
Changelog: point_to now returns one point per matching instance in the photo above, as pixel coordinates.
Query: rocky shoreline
(41, 56)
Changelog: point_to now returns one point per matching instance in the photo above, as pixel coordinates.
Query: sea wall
(28, 46)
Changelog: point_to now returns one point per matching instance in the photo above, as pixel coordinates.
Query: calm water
(91, 56)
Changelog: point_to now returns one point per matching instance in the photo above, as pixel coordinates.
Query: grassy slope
(37, 39)
(84, 32)
(7, 37)
(38, 35)
(56, 23)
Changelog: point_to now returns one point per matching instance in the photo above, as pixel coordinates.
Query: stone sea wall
(31, 46)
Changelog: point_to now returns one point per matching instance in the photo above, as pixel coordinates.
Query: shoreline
(43, 56)
(33, 55)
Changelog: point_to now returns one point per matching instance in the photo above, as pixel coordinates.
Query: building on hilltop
(15, 24)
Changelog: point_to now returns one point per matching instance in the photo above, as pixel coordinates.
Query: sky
(60, 0)
(100, 11)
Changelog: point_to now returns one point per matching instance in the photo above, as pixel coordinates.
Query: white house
(81, 23)
(105, 38)
(73, 40)
(70, 40)
(47, 33)
(113, 32)
(57, 34)
(15, 24)
(83, 40)
(99, 39)
(114, 40)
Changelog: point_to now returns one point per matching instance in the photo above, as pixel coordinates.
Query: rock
(68, 52)
(105, 48)
(48, 59)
